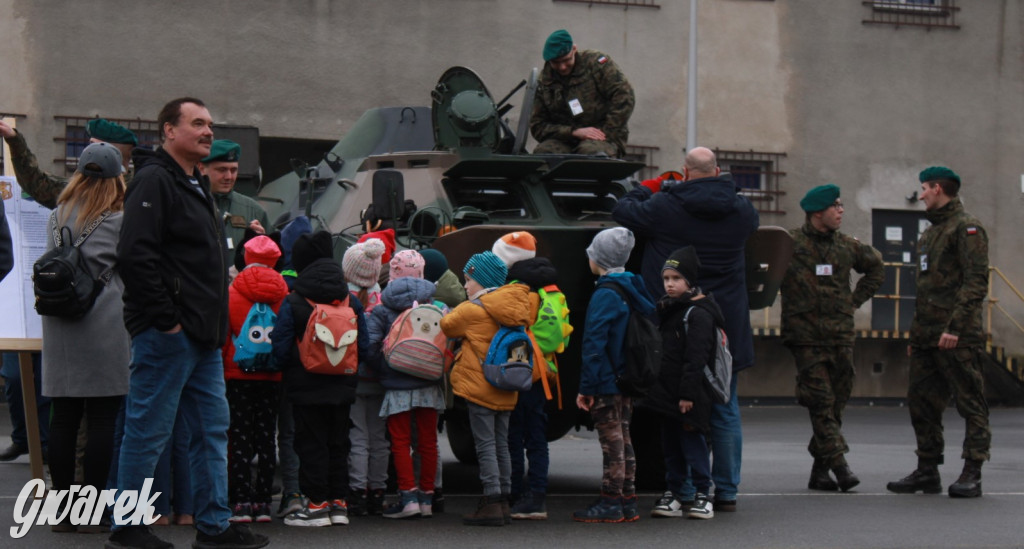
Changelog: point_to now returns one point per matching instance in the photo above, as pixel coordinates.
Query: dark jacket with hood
(171, 252)
(322, 281)
(396, 298)
(604, 334)
(710, 215)
(684, 353)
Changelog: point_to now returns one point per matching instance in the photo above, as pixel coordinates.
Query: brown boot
(844, 476)
(820, 478)
(969, 483)
(488, 513)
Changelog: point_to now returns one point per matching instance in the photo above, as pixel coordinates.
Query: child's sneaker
(241, 512)
(426, 502)
(261, 512)
(605, 509)
(357, 503)
(290, 503)
(530, 507)
(702, 508)
(668, 506)
(408, 506)
(314, 514)
(339, 512)
(375, 502)
(629, 512)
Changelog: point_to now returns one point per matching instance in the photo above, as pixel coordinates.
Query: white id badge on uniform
(924, 262)
(575, 107)
(823, 270)
(231, 243)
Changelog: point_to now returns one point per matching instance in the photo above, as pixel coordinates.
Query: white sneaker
(667, 506)
(702, 508)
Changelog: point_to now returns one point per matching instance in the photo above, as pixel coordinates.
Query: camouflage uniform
(604, 95)
(236, 211)
(611, 415)
(952, 282)
(41, 186)
(817, 326)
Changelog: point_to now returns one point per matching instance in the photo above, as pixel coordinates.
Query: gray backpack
(718, 371)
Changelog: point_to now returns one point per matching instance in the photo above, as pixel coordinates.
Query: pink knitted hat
(406, 263)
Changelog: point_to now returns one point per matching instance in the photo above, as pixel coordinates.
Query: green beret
(557, 45)
(819, 198)
(938, 172)
(223, 150)
(110, 132)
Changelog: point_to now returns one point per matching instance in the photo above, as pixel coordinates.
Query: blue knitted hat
(487, 269)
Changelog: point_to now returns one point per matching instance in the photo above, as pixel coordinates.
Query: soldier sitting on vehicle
(583, 102)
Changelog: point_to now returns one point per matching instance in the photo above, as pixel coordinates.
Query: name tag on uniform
(231, 243)
(924, 262)
(575, 107)
(823, 270)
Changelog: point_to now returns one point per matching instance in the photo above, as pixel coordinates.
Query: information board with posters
(28, 222)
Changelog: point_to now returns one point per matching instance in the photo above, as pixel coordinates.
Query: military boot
(969, 483)
(924, 479)
(820, 478)
(844, 476)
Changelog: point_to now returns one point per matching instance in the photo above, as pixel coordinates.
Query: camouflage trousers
(935, 375)
(611, 415)
(587, 146)
(824, 382)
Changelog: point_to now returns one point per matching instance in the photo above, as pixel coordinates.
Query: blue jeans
(173, 476)
(172, 377)
(527, 430)
(11, 372)
(726, 441)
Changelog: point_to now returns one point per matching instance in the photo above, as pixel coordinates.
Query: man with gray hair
(707, 212)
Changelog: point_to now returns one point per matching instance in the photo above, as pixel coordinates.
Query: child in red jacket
(253, 397)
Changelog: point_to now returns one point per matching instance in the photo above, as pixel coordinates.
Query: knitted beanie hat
(486, 269)
(310, 247)
(610, 247)
(362, 262)
(435, 264)
(262, 250)
(406, 263)
(685, 262)
(514, 247)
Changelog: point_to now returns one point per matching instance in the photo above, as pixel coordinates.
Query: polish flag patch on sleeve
(602, 59)
(972, 230)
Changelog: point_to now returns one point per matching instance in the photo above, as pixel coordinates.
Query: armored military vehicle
(454, 176)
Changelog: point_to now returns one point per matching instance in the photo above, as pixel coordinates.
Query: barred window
(913, 13)
(75, 138)
(758, 176)
(624, 3)
(645, 154)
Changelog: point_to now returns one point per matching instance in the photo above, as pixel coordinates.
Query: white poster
(28, 222)
(894, 234)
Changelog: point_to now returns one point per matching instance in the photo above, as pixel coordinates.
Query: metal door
(895, 234)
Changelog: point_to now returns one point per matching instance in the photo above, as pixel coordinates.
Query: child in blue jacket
(604, 335)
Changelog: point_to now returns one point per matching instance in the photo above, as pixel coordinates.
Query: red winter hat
(515, 247)
(387, 236)
(262, 250)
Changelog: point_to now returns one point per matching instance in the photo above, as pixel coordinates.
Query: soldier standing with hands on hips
(947, 338)
(817, 325)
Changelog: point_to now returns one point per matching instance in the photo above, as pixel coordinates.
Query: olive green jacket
(236, 211)
(604, 94)
(952, 278)
(818, 305)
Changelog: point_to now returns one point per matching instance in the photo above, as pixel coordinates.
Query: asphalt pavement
(775, 509)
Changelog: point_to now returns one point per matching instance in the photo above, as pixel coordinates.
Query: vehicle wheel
(460, 437)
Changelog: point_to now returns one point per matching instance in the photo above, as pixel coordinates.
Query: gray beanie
(610, 248)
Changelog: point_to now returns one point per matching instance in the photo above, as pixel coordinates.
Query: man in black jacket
(707, 212)
(171, 258)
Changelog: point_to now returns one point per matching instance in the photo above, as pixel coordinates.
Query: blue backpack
(253, 349)
(509, 362)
